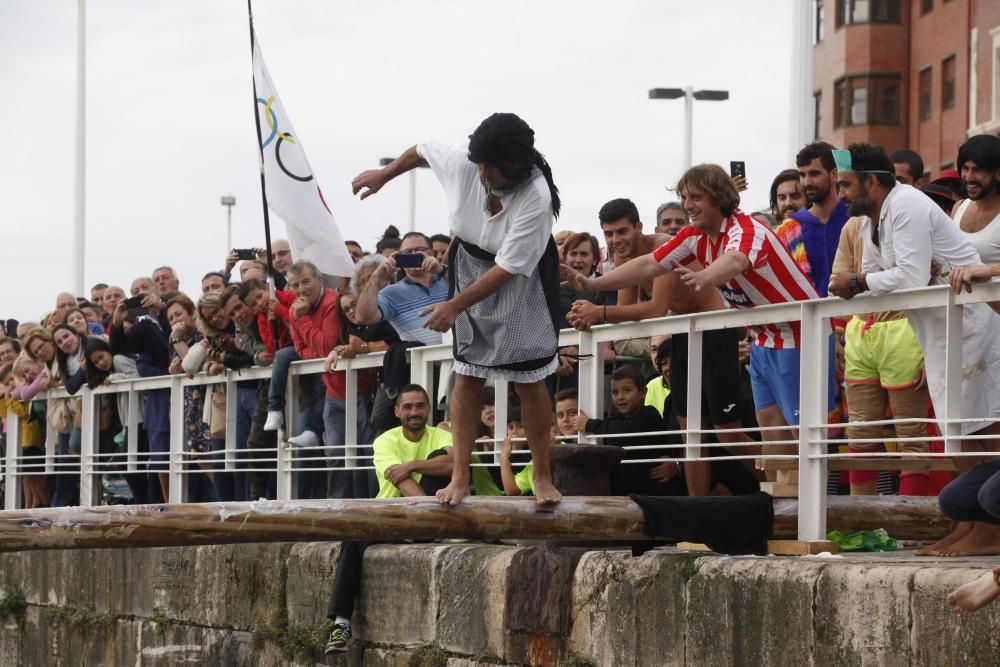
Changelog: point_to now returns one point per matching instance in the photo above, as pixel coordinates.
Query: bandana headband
(844, 163)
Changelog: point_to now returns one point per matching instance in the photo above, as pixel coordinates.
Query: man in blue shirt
(812, 234)
(400, 304)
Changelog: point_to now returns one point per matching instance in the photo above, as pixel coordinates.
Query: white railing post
(590, 389)
(351, 418)
(694, 425)
(952, 431)
(814, 368)
(229, 454)
(88, 440)
(12, 482)
(285, 461)
(132, 428)
(177, 480)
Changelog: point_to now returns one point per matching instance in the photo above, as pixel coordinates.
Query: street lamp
(690, 95)
(413, 192)
(229, 202)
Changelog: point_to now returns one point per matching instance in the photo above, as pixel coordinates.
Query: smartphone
(409, 260)
(737, 168)
(245, 253)
(133, 302)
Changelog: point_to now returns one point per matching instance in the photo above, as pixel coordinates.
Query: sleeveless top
(987, 240)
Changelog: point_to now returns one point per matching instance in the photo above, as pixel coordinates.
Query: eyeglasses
(350, 308)
(281, 253)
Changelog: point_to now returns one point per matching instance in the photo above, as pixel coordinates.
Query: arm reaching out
(629, 274)
(372, 180)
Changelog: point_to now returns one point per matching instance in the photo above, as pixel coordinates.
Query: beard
(862, 205)
(986, 190)
(817, 195)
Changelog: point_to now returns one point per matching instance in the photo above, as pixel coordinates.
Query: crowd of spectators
(235, 319)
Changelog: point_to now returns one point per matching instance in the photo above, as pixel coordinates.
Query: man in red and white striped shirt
(750, 266)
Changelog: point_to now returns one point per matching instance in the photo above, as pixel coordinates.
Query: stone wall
(472, 605)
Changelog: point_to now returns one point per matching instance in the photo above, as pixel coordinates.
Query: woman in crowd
(31, 439)
(38, 347)
(184, 336)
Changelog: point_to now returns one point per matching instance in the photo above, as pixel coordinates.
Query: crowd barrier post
(350, 450)
(132, 428)
(12, 481)
(694, 361)
(229, 458)
(590, 388)
(88, 439)
(178, 432)
(814, 369)
(285, 455)
(952, 431)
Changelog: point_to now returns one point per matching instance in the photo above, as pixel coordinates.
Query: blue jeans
(344, 483)
(67, 491)
(279, 378)
(246, 404)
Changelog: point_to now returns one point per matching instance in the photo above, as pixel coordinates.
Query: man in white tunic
(504, 274)
(912, 231)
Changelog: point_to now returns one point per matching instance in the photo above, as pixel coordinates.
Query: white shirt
(987, 240)
(912, 231)
(518, 234)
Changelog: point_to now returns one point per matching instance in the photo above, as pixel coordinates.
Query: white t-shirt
(518, 234)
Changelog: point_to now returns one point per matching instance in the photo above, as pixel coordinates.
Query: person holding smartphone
(400, 304)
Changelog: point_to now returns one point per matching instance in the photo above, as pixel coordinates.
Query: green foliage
(573, 660)
(81, 619)
(428, 655)
(13, 606)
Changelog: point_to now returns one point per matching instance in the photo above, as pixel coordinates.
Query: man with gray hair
(316, 331)
(165, 279)
(671, 218)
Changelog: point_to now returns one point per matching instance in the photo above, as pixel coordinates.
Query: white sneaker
(275, 420)
(304, 439)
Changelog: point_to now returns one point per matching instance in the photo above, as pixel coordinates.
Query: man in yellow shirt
(413, 459)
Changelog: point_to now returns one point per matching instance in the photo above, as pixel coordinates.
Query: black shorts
(35, 466)
(721, 381)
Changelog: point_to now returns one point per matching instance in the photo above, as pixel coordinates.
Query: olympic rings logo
(272, 124)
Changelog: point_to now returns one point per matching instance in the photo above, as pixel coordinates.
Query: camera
(409, 260)
(245, 253)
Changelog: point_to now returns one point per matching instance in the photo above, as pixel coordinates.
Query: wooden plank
(577, 518)
(800, 547)
(692, 546)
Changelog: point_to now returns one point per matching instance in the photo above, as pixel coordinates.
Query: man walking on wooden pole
(504, 280)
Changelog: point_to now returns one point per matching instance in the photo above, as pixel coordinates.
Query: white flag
(293, 192)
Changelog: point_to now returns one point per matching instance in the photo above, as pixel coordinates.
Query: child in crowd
(567, 409)
(628, 394)
(517, 482)
(273, 328)
(25, 371)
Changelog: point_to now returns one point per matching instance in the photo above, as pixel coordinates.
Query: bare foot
(961, 530)
(975, 594)
(982, 540)
(453, 493)
(546, 493)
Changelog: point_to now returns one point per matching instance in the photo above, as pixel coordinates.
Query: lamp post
(413, 192)
(229, 202)
(690, 95)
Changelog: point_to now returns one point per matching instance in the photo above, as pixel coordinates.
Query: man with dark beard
(787, 196)
(979, 215)
(504, 283)
(905, 231)
(813, 234)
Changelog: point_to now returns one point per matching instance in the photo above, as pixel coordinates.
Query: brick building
(919, 74)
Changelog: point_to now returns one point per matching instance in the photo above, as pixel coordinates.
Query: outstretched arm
(372, 180)
(632, 272)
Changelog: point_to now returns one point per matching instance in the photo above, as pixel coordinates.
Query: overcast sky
(170, 126)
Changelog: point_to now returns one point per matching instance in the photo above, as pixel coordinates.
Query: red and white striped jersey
(773, 276)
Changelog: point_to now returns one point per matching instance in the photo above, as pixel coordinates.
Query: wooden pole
(484, 518)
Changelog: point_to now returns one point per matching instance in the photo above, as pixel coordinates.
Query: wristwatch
(856, 287)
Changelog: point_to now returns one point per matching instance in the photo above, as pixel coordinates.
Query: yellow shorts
(887, 353)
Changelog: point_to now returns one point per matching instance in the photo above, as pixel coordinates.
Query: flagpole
(260, 152)
(79, 177)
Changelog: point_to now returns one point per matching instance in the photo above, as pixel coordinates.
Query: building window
(817, 113)
(819, 15)
(866, 100)
(850, 12)
(925, 93)
(926, 6)
(948, 82)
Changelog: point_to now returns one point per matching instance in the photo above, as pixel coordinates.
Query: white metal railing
(812, 440)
